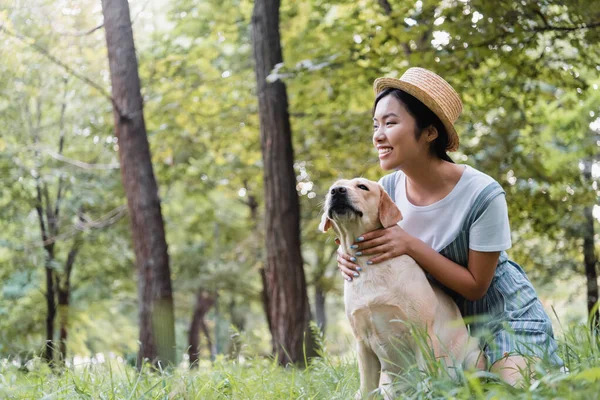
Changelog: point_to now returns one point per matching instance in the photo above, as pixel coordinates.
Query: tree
(589, 256)
(287, 299)
(46, 108)
(204, 301)
(156, 316)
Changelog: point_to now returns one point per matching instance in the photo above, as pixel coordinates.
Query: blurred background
(527, 72)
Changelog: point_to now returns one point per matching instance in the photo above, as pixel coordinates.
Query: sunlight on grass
(328, 377)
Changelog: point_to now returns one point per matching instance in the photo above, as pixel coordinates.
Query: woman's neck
(429, 182)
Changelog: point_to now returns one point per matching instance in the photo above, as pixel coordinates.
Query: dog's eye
(363, 187)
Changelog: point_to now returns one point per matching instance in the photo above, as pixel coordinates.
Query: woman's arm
(472, 283)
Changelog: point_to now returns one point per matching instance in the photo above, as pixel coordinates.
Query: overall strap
(481, 203)
(389, 184)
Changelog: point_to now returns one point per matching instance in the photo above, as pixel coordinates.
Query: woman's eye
(363, 187)
(375, 127)
(389, 123)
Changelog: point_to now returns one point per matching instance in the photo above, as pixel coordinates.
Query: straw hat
(433, 91)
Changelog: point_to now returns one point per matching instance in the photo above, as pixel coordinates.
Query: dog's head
(359, 202)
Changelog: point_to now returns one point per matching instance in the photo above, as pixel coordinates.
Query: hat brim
(381, 84)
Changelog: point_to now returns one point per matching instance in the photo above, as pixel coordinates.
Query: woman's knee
(513, 369)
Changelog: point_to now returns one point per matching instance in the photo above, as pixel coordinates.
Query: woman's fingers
(381, 258)
(347, 266)
(378, 249)
(371, 235)
(369, 244)
(348, 274)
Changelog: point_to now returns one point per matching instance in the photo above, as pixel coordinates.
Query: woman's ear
(431, 133)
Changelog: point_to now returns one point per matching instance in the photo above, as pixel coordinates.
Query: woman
(455, 223)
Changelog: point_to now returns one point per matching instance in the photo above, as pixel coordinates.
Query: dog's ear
(389, 214)
(325, 223)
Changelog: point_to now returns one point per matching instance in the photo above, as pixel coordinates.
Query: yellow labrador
(390, 296)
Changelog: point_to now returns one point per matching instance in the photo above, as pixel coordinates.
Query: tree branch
(542, 16)
(106, 220)
(71, 260)
(546, 28)
(81, 34)
(566, 28)
(52, 223)
(43, 51)
(39, 205)
(387, 7)
(61, 143)
(78, 163)
(40, 212)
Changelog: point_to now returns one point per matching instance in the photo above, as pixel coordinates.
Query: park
(164, 167)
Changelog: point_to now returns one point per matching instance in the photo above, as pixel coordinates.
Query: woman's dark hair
(423, 116)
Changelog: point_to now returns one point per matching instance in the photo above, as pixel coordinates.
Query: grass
(328, 377)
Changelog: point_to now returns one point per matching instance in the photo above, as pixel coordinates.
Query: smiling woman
(455, 223)
(399, 117)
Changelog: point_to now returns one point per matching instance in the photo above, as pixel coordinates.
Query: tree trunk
(325, 254)
(204, 301)
(589, 255)
(591, 261)
(217, 344)
(63, 313)
(265, 301)
(46, 236)
(64, 296)
(156, 318)
(50, 290)
(238, 321)
(209, 344)
(237, 316)
(287, 300)
(51, 309)
(320, 308)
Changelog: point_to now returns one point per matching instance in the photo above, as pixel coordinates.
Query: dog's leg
(432, 351)
(475, 358)
(385, 386)
(369, 368)
(443, 358)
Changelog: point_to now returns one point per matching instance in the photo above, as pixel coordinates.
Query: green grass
(326, 378)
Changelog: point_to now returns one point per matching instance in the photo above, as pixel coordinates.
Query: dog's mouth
(344, 208)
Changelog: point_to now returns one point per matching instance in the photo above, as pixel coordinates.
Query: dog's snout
(338, 190)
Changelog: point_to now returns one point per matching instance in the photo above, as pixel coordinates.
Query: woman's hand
(346, 264)
(386, 243)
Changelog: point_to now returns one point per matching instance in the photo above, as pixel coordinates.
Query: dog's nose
(338, 191)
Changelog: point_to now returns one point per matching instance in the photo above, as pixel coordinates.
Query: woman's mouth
(384, 151)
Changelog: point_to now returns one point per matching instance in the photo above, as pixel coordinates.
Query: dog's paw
(379, 393)
(385, 393)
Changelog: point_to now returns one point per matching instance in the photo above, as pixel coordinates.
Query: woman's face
(394, 135)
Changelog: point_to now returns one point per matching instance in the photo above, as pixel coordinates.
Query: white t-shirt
(438, 224)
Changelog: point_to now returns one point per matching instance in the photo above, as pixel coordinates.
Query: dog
(390, 297)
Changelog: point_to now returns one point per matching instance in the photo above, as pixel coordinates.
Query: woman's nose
(378, 135)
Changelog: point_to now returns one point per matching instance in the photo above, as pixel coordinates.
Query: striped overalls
(509, 319)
